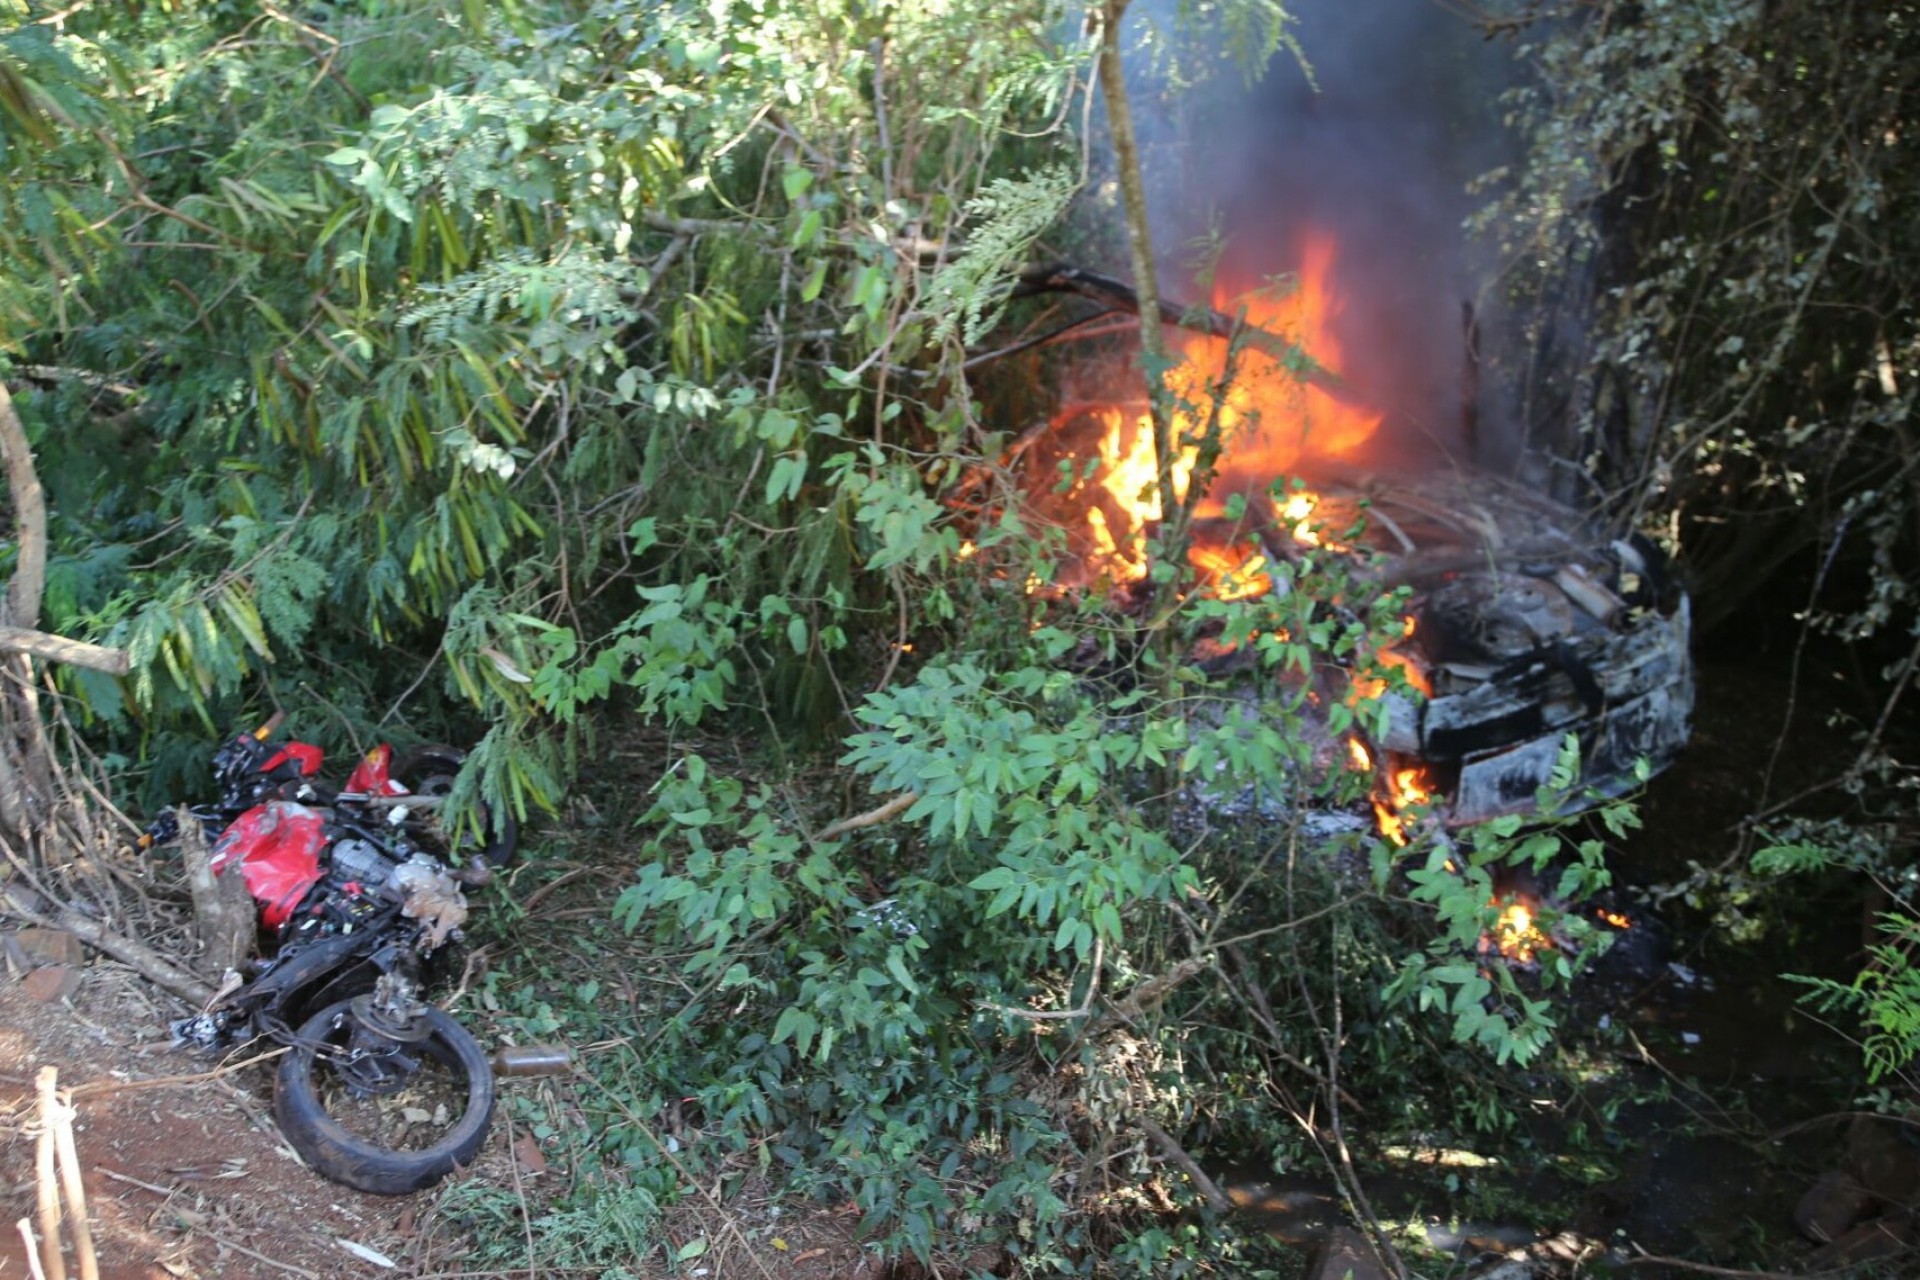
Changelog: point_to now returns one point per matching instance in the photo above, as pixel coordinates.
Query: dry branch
(1150, 992)
(47, 1186)
(872, 817)
(1209, 1190)
(74, 653)
(56, 1113)
(223, 916)
(28, 790)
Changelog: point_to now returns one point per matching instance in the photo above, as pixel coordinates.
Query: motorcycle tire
(345, 1157)
(429, 771)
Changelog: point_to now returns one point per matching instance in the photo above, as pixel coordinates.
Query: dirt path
(184, 1178)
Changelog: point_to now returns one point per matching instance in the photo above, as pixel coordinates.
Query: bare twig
(878, 51)
(1209, 1189)
(56, 1113)
(32, 1250)
(1646, 1259)
(94, 1088)
(1148, 993)
(46, 1182)
(872, 817)
(1061, 1015)
(237, 1247)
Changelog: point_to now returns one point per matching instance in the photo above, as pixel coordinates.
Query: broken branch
(56, 1113)
(1209, 1190)
(74, 653)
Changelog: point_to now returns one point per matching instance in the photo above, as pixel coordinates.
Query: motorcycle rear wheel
(323, 1123)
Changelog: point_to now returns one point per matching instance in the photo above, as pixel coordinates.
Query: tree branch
(15, 900)
(22, 605)
(53, 648)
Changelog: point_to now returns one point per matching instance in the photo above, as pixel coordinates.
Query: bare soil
(187, 1177)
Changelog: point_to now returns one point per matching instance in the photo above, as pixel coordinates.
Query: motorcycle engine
(361, 860)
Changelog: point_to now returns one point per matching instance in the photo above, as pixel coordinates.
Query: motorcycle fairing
(277, 845)
(304, 756)
(373, 776)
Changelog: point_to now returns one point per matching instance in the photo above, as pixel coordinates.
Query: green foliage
(1884, 997)
(1058, 834)
(1708, 195)
(1488, 1007)
(449, 304)
(1007, 217)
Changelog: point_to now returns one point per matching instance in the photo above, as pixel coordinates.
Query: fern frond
(969, 294)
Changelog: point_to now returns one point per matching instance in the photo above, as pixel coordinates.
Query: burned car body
(1526, 620)
(1528, 624)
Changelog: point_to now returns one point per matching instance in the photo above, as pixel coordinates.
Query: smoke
(1378, 148)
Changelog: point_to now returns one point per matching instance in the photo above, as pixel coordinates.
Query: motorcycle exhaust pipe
(532, 1060)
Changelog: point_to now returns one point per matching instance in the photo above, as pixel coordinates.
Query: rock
(16, 960)
(1345, 1255)
(51, 983)
(1882, 1160)
(1830, 1206)
(50, 946)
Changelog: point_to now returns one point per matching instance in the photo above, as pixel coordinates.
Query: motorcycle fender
(277, 846)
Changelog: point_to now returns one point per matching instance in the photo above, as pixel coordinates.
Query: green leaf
(816, 280)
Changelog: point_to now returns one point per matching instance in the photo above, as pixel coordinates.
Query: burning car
(1525, 620)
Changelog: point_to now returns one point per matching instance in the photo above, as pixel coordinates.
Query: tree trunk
(223, 913)
(29, 788)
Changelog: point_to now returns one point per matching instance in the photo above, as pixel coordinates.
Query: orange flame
(1514, 935)
(1407, 789)
(1613, 918)
(1234, 572)
(1269, 421)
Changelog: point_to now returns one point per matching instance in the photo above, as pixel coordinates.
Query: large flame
(1270, 423)
(1514, 934)
(1406, 790)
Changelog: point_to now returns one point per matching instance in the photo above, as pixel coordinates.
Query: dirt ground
(187, 1177)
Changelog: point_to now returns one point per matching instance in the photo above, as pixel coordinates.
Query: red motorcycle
(360, 891)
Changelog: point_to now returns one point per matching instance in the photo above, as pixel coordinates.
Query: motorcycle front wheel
(425, 1120)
